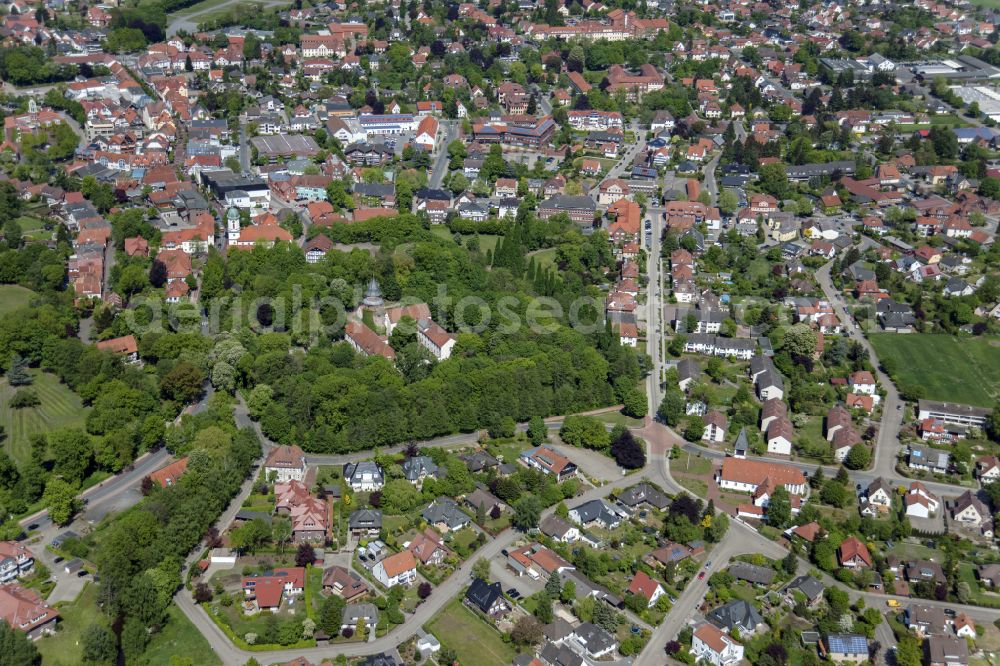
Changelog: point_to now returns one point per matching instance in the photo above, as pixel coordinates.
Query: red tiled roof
(122, 345)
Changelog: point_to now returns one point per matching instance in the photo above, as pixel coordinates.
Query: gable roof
(483, 595)
(736, 614)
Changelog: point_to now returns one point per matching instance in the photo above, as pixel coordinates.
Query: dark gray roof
(644, 493)
(415, 467)
(365, 519)
(596, 510)
(445, 510)
(808, 585)
(483, 594)
(737, 614)
(560, 655)
(596, 638)
(752, 573)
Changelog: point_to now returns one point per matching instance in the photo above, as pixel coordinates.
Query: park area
(949, 369)
(59, 408)
(14, 297)
(473, 641)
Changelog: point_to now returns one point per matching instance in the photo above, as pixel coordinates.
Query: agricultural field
(60, 408)
(473, 641)
(950, 369)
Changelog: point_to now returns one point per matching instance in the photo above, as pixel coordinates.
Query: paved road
(711, 186)
(625, 162)
(685, 610)
(244, 145)
(887, 447)
(440, 168)
(100, 495)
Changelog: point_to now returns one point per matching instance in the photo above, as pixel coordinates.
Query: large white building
(744, 476)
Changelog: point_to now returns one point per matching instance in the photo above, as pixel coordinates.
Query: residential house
(364, 476)
(947, 651)
(644, 494)
(847, 647)
(428, 548)
(598, 513)
(365, 522)
(487, 598)
(15, 561)
(853, 554)
(739, 615)
(444, 514)
(24, 610)
(286, 463)
(355, 614)
(595, 641)
(710, 644)
(548, 461)
(344, 583)
(647, 588)
(268, 589)
(398, 569)
(558, 529)
(971, 512)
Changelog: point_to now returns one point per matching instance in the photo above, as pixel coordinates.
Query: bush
(25, 397)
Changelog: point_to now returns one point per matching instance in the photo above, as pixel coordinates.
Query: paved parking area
(592, 463)
(68, 586)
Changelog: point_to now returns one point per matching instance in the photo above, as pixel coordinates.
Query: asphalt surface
(887, 447)
(440, 168)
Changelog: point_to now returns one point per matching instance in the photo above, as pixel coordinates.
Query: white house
(364, 476)
(862, 382)
(715, 647)
(647, 588)
(715, 427)
(287, 463)
(398, 569)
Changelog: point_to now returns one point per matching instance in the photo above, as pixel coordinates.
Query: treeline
(30, 65)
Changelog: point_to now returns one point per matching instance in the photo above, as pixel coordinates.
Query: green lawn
(179, 638)
(689, 464)
(13, 297)
(696, 486)
(950, 369)
(33, 228)
(63, 648)
(617, 418)
(473, 641)
(544, 258)
(60, 408)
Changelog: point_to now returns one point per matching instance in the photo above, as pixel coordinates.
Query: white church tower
(233, 225)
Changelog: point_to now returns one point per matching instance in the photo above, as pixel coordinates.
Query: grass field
(950, 369)
(63, 647)
(689, 464)
(473, 641)
(33, 228)
(60, 408)
(13, 297)
(544, 258)
(179, 638)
